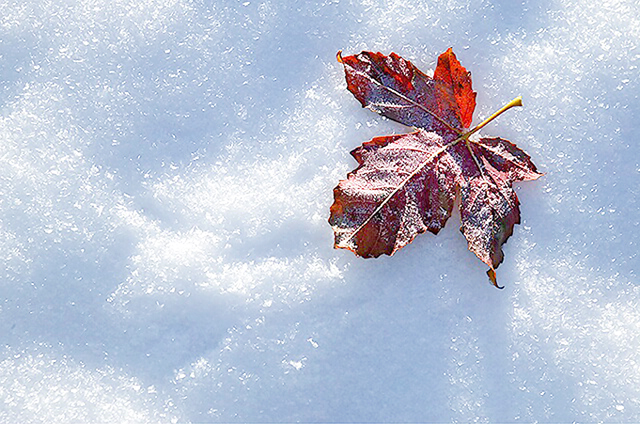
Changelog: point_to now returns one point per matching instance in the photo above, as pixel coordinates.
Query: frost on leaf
(406, 184)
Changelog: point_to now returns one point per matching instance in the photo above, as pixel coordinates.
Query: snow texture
(167, 171)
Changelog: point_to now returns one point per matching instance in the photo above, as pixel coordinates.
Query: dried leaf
(407, 184)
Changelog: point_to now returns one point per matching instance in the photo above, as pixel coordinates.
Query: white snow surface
(166, 174)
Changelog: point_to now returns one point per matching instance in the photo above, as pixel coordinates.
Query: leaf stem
(515, 102)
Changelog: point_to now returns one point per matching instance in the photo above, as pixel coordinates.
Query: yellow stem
(515, 102)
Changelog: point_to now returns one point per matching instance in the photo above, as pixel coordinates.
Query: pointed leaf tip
(492, 277)
(339, 56)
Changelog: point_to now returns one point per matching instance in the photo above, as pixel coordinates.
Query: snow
(167, 172)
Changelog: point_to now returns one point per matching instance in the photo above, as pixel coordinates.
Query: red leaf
(407, 184)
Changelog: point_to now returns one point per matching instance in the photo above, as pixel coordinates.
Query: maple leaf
(407, 184)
